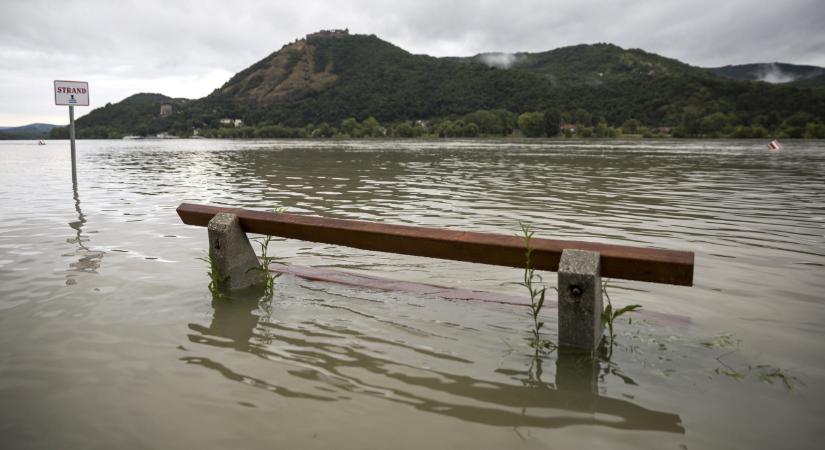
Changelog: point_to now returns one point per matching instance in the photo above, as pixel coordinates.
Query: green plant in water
(216, 283)
(266, 260)
(722, 341)
(534, 285)
(609, 315)
(766, 373)
(268, 276)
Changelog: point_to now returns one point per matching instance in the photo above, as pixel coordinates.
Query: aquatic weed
(766, 373)
(609, 316)
(266, 260)
(216, 282)
(534, 284)
(722, 341)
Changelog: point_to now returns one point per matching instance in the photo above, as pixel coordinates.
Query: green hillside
(31, 131)
(330, 77)
(138, 114)
(811, 82)
(596, 65)
(781, 73)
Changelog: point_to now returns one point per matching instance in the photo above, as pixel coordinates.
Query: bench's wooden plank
(430, 290)
(617, 261)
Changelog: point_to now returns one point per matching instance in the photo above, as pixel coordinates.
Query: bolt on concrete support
(234, 258)
(580, 300)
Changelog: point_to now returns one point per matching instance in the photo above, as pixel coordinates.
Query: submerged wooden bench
(580, 264)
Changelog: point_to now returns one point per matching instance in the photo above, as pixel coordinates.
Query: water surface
(109, 337)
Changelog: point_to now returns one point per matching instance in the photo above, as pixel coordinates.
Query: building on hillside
(165, 110)
(568, 127)
(232, 122)
(329, 34)
(664, 130)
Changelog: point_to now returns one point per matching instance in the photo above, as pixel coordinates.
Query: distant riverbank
(514, 138)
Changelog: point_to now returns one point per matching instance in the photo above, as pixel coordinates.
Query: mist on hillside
(500, 60)
(772, 73)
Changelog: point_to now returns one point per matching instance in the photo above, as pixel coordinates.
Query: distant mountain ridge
(598, 63)
(30, 131)
(777, 73)
(329, 77)
(138, 114)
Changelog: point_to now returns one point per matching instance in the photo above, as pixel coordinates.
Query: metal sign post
(71, 93)
(71, 138)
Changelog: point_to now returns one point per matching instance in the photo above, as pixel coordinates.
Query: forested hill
(31, 131)
(139, 114)
(330, 77)
(778, 73)
(592, 65)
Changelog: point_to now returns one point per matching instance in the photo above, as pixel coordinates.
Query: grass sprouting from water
(534, 284)
(216, 282)
(609, 315)
(266, 260)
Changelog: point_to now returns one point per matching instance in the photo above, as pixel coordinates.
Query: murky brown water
(109, 337)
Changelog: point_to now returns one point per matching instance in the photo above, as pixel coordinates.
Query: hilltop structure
(336, 34)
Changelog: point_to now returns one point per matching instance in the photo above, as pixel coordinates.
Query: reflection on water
(325, 354)
(89, 260)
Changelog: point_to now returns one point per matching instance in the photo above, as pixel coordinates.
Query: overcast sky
(188, 48)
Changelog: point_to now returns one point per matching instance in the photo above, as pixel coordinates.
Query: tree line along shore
(486, 123)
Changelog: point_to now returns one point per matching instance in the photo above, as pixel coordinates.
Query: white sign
(72, 93)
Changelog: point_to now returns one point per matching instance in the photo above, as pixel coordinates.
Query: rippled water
(109, 337)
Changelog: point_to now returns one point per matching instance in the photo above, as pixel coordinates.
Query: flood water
(110, 337)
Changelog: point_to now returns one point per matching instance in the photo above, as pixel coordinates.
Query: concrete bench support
(580, 300)
(234, 258)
